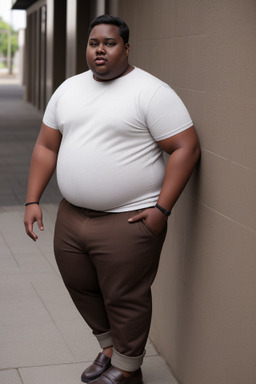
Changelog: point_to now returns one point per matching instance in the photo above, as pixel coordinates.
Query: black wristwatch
(164, 211)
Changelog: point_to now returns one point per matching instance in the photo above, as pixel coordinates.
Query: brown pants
(108, 266)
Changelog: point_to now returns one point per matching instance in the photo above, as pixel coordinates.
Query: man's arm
(42, 166)
(184, 151)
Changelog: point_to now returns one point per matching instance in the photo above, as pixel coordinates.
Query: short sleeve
(167, 114)
(50, 117)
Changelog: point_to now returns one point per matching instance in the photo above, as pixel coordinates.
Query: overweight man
(105, 131)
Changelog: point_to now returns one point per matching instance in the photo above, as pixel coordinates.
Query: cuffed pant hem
(126, 363)
(105, 339)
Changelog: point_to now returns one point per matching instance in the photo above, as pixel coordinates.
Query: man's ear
(127, 48)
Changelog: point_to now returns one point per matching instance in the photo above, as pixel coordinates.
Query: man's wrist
(31, 202)
(163, 210)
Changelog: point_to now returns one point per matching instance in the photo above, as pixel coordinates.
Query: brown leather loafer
(100, 365)
(114, 376)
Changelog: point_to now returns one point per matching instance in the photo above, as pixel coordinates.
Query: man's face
(106, 54)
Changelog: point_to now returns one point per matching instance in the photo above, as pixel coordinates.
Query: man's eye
(110, 44)
(93, 44)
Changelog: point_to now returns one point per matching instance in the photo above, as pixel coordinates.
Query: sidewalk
(42, 336)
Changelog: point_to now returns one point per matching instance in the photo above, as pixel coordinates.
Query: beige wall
(204, 321)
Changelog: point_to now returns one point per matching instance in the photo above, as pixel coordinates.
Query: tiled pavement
(43, 339)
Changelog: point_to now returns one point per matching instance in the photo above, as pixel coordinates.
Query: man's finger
(30, 233)
(40, 224)
(135, 218)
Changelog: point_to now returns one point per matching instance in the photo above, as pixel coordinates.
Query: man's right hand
(33, 214)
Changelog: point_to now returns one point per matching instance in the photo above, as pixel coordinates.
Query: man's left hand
(154, 219)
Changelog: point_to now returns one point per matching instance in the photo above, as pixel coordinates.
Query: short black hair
(108, 19)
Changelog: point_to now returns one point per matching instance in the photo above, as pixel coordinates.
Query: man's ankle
(108, 352)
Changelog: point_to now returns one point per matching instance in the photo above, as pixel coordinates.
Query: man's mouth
(100, 60)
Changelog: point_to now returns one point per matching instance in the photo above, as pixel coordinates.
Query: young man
(107, 130)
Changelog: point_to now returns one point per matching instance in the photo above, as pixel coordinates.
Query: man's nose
(100, 48)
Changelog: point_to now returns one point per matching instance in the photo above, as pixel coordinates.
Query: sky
(16, 18)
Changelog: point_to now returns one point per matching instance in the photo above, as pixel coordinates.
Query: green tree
(4, 28)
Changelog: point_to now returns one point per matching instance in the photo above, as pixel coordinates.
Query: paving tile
(18, 133)
(10, 376)
(28, 333)
(156, 371)
(13, 232)
(49, 256)
(5, 250)
(67, 319)
(64, 374)
(8, 265)
(34, 262)
(14, 243)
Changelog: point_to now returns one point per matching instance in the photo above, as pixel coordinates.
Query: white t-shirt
(109, 159)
